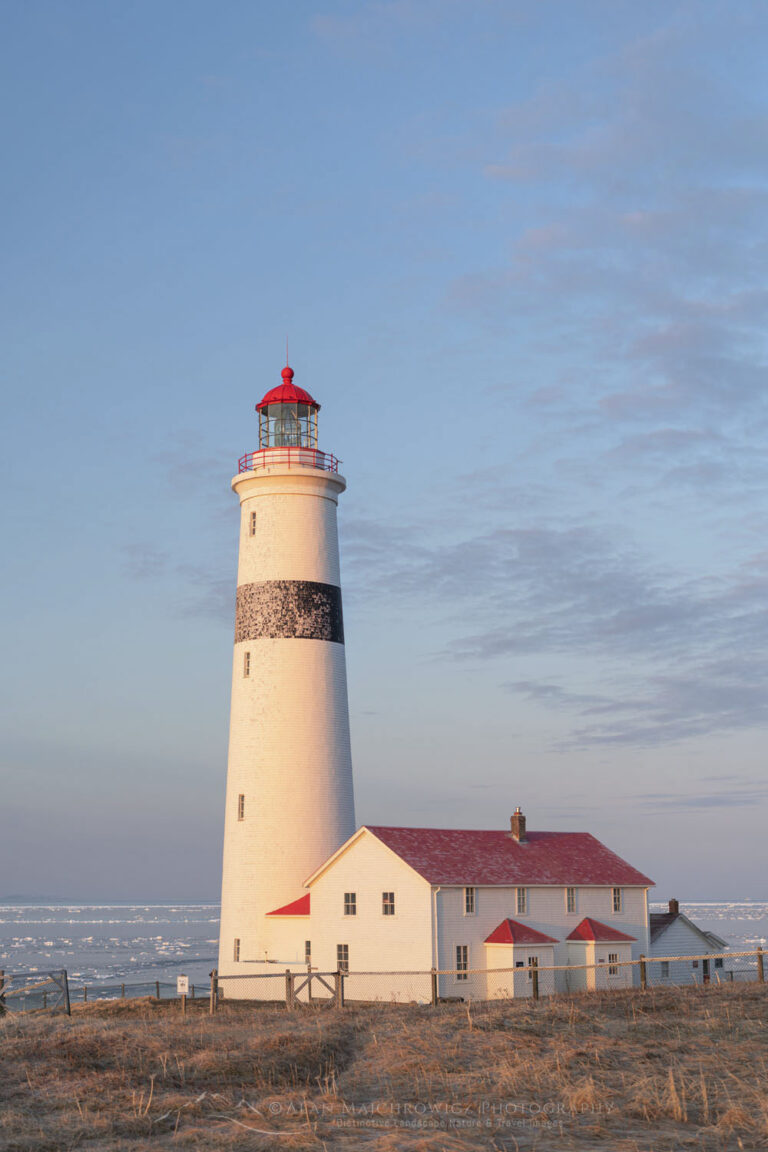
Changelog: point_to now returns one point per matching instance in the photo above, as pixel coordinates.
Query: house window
(241, 807)
(350, 904)
(246, 663)
(617, 900)
(462, 961)
(387, 903)
(570, 899)
(469, 901)
(533, 962)
(665, 969)
(522, 901)
(613, 963)
(695, 964)
(307, 951)
(236, 949)
(342, 957)
(253, 524)
(718, 961)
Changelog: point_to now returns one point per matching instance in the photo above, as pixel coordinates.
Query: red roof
(513, 932)
(468, 857)
(287, 393)
(590, 929)
(298, 907)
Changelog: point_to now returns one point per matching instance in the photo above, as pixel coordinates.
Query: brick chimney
(517, 826)
(674, 908)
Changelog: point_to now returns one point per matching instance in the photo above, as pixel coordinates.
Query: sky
(520, 251)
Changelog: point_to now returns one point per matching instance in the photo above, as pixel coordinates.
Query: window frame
(307, 952)
(241, 806)
(236, 950)
(350, 903)
(617, 898)
(571, 900)
(342, 958)
(462, 962)
(613, 963)
(665, 969)
(533, 962)
(246, 664)
(252, 524)
(387, 903)
(522, 901)
(470, 900)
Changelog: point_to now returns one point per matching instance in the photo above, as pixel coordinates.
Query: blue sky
(520, 251)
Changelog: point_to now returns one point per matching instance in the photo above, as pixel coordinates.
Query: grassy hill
(621, 1071)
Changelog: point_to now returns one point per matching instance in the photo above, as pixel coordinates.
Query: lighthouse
(289, 795)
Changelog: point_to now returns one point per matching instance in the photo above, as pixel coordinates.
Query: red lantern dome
(287, 393)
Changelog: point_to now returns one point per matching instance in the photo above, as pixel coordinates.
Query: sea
(134, 944)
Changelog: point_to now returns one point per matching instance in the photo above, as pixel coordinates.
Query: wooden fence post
(434, 987)
(535, 974)
(122, 991)
(192, 991)
(289, 1002)
(214, 991)
(760, 965)
(67, 1005)
(85, 994)
(2, 985)
(339, 979)
(157, 989)
(643, 972)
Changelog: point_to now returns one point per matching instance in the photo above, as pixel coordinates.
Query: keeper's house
(405, 900)
(674, 935)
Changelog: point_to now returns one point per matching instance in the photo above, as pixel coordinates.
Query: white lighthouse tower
(289, 800)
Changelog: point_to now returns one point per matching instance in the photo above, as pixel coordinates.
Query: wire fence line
(309, 987)
(298, 987)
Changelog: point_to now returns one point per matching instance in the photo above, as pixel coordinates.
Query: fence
(305, 987)
(28, 991)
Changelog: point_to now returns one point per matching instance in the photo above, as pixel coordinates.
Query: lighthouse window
(462, 961)
(342, 957)
(253, 524)
(236, 949)
(241, 807)
(246, 663)
(350, 904)
(388, 903)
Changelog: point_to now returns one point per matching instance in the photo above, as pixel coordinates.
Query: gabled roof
(660, 921)
(513, 932)
(298, 907)
(469, 857)
(590, 929)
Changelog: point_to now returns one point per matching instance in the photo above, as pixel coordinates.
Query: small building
(673, 935)
(592, 944)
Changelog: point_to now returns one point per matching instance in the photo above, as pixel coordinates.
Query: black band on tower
(289, 609)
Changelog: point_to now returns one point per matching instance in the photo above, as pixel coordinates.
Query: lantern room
(287, 416)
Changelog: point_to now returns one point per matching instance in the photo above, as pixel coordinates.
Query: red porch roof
(298, 907)
(469, 857)
(513, 932)
(590, 929)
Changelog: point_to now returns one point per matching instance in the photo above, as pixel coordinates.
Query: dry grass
(621, 1072)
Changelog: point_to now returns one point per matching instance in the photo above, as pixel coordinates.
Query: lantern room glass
(288, 426)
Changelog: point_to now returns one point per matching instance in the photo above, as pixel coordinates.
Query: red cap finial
(287, 374)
